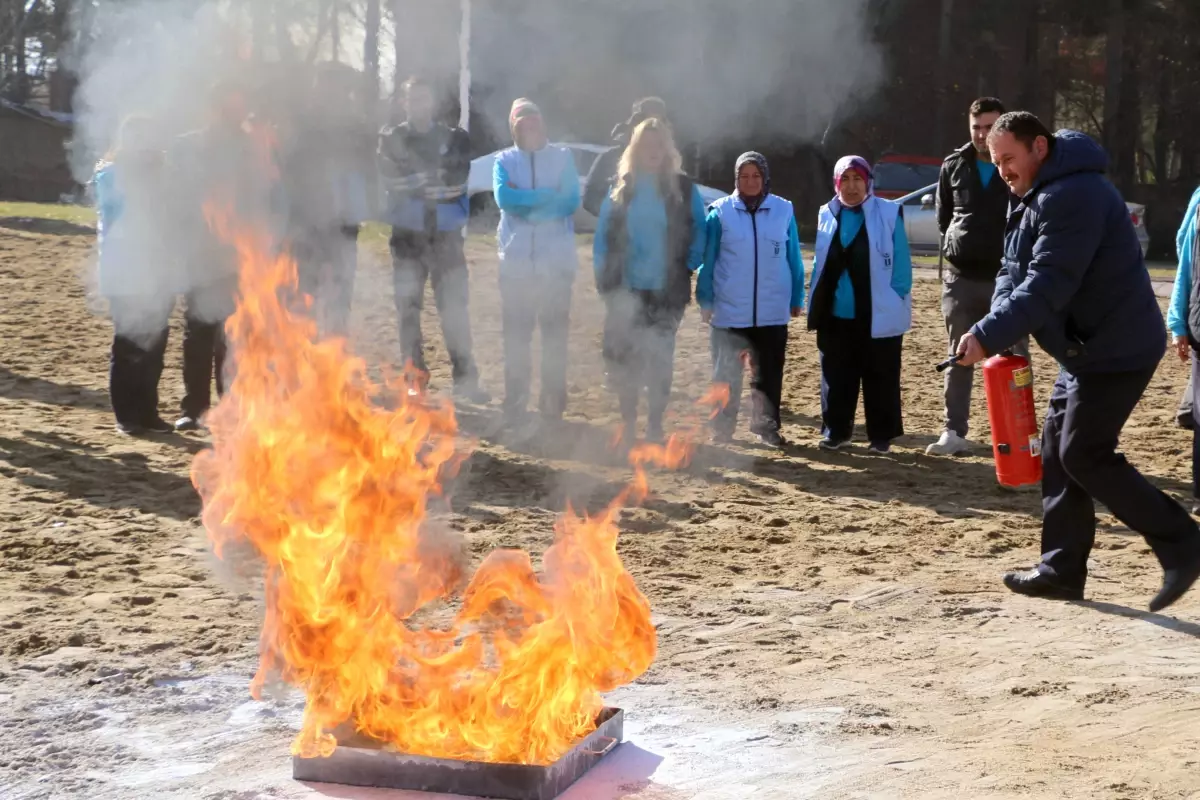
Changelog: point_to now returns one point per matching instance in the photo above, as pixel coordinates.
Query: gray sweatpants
(965, 301)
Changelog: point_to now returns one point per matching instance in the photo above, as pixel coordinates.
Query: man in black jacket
(972, 206)
(423, 166)
(1074, 278)
(603, 172)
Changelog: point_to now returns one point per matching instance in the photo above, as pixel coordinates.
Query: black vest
(855, 259)
(677, 291)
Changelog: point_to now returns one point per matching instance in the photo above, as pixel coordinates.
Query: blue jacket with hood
(1073, 273)
(1185, 249)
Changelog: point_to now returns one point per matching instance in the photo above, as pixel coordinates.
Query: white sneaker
(951, 444)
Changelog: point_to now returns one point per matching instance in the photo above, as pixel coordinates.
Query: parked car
(920, 221)
(896, 174)
(479, 181)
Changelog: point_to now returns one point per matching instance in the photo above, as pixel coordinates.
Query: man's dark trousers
(204, 351)
(1081, 466)
(420, 257)
(965, 301)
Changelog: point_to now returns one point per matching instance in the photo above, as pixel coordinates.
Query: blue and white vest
(543, 247)
(752, 282)
(891, 314)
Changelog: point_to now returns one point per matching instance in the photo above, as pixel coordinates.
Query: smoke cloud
(735, 76)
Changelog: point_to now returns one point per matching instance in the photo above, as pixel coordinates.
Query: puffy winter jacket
(1073, 273)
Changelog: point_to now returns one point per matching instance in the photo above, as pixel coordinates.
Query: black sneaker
(472, 392)
(655, 434)
(130, 429)
(880, 448)
(158, 425)
(833, 445)
(188, 423)
(722, 436)
(772, 438)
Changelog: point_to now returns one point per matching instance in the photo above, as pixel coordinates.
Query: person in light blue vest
(750, 285)
(1183, 320)
(536, 186)
(135, 274)
(860, 308)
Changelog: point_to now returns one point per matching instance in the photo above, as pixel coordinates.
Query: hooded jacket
(1073, 274)
(1183, 315)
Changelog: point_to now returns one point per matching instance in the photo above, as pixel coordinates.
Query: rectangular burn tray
(360, 762)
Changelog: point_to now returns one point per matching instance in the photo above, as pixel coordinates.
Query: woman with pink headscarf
(860, 307)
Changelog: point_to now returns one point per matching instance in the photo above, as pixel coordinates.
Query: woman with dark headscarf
(751, 284)
(861, 307)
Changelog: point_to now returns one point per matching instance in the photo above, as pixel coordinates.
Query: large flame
(328, 475)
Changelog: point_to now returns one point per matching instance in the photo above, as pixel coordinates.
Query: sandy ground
(830, 625)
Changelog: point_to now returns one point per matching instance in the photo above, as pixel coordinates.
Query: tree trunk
(400, 61)
(1114, 61)
(283, 33)
(335, 30)
(1128, 137)
(943, 75)
(258, 29)
(371, 57)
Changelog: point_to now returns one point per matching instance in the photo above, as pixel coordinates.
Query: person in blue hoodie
(536, 186)
(649, 239)
(750, 285)
(1075, 279)
(861, 307)
(1183, 320)
(134, 273)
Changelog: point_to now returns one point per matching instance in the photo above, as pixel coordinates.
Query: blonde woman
(649, 240)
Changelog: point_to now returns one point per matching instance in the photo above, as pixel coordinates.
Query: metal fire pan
(361, 762)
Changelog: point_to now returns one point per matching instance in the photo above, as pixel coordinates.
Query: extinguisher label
(1022, 377)
(1035, 446)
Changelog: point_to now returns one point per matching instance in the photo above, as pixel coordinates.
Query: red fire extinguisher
(1016, 442)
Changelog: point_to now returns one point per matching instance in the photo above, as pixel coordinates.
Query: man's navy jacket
(1073, 274)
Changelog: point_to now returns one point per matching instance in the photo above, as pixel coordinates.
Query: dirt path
(830, 625)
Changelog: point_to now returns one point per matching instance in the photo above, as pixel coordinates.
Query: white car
(479, 181)
(920, 221)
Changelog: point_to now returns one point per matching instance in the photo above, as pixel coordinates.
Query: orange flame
(331, 488)
(716, 399)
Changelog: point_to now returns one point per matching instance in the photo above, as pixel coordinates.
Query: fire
(330, 485)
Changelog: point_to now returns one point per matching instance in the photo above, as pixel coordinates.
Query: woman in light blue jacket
(536, 186)
(1183, 320)
(860, 307)
(750, 286)
(649, 239)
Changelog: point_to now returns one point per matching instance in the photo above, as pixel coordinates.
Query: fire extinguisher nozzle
(947, 364)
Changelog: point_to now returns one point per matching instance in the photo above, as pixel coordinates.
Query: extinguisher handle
(948, 363)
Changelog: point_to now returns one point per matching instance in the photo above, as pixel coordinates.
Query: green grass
(80, 215)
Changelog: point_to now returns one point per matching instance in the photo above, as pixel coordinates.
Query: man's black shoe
(1176, 582)
(472, 393)
(158, 425)
(1185, 421)
(188, 423)
(1035, 583)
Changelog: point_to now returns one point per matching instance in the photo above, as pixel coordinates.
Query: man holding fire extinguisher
(1074, 278)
